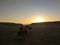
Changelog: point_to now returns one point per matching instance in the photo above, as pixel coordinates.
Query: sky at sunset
(26, 11)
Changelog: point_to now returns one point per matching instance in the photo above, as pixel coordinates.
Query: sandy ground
(44, 36)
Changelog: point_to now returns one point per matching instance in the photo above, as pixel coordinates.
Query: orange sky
(26, 11)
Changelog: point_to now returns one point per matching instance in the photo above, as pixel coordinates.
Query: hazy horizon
(25, 11)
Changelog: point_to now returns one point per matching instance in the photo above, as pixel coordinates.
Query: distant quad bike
(23, 32)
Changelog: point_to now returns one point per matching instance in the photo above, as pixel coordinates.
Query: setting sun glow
(38, 20)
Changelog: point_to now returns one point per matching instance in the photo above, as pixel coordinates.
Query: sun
(38, 20)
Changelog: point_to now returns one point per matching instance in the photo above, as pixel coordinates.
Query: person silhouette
(27, 29)
(20, 32)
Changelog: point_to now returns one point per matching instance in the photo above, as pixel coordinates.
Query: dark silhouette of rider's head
(21, 28)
